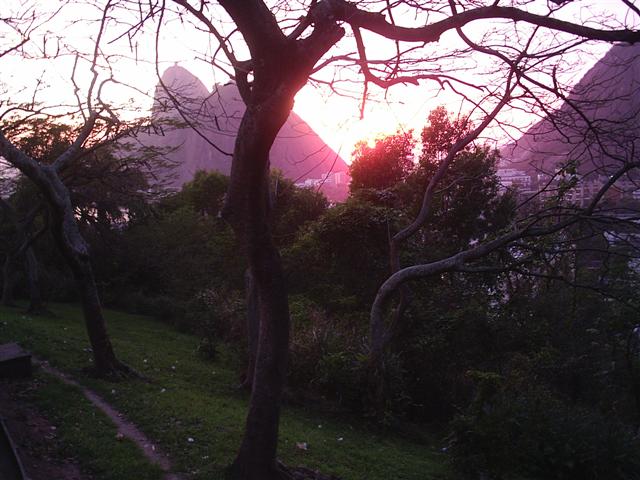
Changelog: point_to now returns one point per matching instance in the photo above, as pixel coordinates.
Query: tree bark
(7, 280)
(36, 302)
(247, 210)
(253, 327)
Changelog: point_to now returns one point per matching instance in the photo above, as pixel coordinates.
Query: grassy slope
(88, 434)
(188, 398)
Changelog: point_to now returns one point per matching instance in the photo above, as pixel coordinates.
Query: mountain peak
(178, 80)
(298, 151)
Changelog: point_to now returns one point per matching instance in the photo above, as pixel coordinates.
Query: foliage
(293, 208)
(183, 253)
(205, 193)
(215, 314)
(533, 434)
(327, 355)
(440, 133)
(333, 253)
(557, 397)
(40, 138)
(469, 206)
(383, 165)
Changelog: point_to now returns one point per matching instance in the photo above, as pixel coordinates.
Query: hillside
(190, 407)
(598, 126)
(298, 150)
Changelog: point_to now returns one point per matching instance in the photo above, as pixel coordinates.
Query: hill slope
(184, 397)
(598, 126)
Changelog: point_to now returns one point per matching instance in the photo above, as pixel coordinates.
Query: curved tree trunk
(73, 247)
(247, 210)
(76, 254)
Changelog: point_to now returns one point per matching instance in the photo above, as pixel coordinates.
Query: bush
(215, 314)
(325, 355)
(161, 307)
(534, 435)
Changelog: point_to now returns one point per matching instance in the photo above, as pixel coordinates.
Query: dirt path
(126, 428)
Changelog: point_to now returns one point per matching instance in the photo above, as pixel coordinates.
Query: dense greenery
(524, 374)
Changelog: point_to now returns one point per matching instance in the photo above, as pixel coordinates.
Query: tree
(440, 134)
(70, 241)
(383, 165)
(98, 128)
(268, 83)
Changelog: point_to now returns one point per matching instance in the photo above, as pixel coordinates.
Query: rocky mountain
(596, 128)
(206, 123)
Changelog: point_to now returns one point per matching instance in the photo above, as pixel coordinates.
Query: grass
(191, 409)
(88, 434)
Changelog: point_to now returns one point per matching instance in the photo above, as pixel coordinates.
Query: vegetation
(513, 385)
(186, 396)
(87, 434)
(431, 296)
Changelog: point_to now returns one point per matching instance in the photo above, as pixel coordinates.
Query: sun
(337, 118)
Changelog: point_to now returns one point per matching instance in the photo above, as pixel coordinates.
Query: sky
(336, 118)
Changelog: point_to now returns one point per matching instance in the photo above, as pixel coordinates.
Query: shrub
(532, 434)
(325, 355)
(161, 307)
(215, 314)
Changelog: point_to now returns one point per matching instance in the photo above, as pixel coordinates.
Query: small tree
(45, 164)
(385, 164)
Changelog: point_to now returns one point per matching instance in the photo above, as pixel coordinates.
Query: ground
(189, 408)
(40, 449)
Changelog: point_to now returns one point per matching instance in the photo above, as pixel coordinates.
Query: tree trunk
(253, 327)
(7, 280)
(257, 456)
(76, 254)
(247, 210)
(36, 303)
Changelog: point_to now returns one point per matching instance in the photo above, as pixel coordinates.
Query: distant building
(511, 178)
(335, 185)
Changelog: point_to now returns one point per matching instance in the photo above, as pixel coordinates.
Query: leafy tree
(205, 193)
(342, 254)
(293, 208)
(440, 134)
(176, 252)
(385, 164)
(469, 206)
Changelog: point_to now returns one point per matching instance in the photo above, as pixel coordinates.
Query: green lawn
(187, 397)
